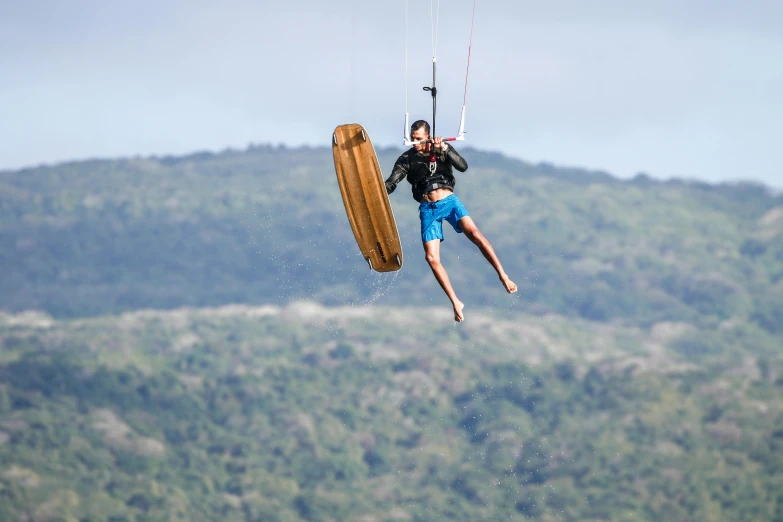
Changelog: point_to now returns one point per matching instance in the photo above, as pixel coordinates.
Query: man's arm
(400, 170)
(453, 157)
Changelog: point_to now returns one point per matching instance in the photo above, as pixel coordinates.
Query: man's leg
(470, 229)
(432, 254)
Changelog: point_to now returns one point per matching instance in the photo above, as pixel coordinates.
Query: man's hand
(440, 144)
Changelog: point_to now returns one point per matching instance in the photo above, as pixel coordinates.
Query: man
(428, 167)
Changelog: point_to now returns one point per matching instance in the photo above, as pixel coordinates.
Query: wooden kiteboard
(364, 195)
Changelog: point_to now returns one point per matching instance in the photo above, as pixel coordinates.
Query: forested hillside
(198, 339)
(365, 414)
(267, 225)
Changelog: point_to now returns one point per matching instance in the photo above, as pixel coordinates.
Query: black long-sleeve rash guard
(416, 167)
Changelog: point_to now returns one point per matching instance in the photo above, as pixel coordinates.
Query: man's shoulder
(407, 155)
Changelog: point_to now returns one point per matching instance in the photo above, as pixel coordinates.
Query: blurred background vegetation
(267, 225)
(198, 338)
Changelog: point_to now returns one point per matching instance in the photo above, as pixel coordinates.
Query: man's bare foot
(511, 287)
(458, 306)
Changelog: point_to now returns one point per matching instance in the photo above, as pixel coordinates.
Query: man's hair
(418, 124)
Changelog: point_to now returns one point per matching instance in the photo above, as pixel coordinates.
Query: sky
(672, 88)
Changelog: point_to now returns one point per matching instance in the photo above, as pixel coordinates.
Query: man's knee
(432, 258)
(474, 234)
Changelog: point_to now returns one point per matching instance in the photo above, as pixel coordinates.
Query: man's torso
(436, 195)
(430, 186)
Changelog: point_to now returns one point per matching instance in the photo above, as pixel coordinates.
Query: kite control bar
(456, 138)
(432, 89)
(460, 135)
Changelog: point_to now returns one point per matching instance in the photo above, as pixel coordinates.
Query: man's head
(420, 130)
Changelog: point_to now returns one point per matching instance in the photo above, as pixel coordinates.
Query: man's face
(418, 135)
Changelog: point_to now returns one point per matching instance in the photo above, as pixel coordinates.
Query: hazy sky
(669, 87)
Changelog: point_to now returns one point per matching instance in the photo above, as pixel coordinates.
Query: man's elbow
(458, 161)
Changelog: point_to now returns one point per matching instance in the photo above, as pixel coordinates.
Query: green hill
(203, 341)
(307, 413)
(266, 225)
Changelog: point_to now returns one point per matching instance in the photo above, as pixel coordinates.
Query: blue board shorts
(432, 215)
